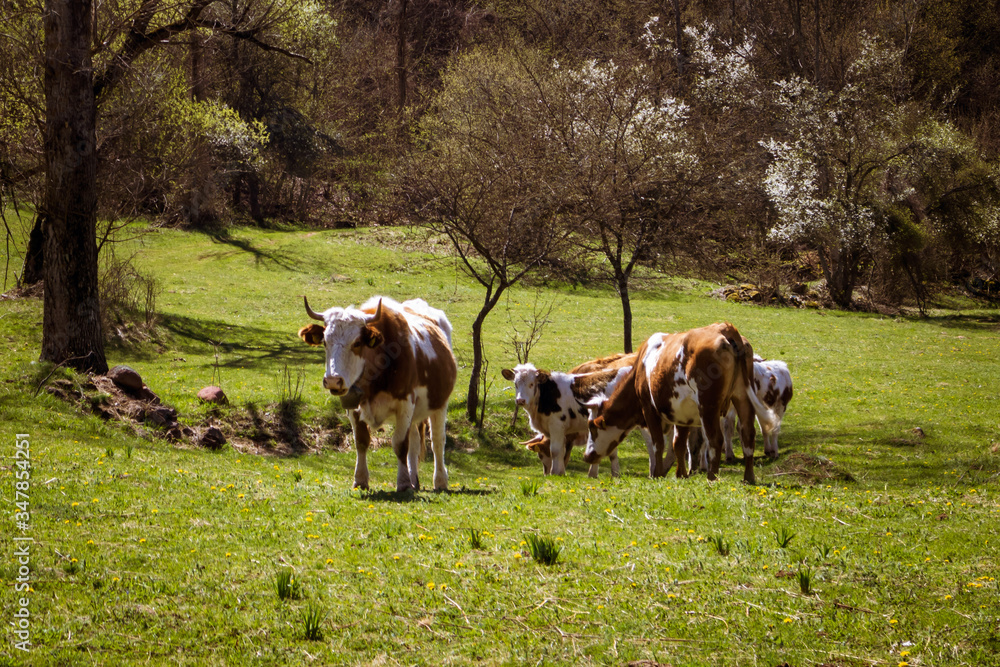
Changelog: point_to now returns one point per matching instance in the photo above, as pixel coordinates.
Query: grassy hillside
(866, 543)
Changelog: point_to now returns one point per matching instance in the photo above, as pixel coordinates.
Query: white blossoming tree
(828, 174)
(865, 174)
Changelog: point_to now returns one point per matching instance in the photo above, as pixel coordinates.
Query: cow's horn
(378, 312)
(309, 310)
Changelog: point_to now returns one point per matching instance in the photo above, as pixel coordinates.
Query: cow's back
(680, 372)
(415, 352)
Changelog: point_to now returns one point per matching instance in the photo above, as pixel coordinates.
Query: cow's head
(346, 334)
(526, 379)
(603, 437)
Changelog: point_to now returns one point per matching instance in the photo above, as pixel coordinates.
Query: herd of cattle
(390, 361)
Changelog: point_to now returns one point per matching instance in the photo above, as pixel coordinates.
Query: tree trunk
(626, 312)
(679, 40)
(401, 57)
(199, 210)
(71, 323)
(472, 402)
(33, 267)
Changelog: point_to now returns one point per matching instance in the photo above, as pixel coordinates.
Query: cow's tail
(764, 414)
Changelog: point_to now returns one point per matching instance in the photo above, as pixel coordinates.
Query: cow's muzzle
(352, 399)
(335, 384)
(591, 457)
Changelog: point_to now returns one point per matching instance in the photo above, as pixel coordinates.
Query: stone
(145, 394)
(212, 438)
(213, 394)
(126, 378)
(161, 416)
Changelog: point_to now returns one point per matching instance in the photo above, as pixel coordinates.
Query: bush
(128, 300)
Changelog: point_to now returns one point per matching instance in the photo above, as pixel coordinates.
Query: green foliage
(312, 622)
(529, 487)
(476, 539)
(804, 577)
(722, 546)
(783, 536)
(285, 584)
(543, 549)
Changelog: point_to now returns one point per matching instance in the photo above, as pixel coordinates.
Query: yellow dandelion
(430, 585)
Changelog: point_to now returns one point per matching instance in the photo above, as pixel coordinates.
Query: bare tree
(627, 164)
(480, 181)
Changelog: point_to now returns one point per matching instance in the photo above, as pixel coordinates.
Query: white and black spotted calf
(772, 384)
(556, 407)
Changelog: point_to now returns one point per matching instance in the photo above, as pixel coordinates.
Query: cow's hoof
(361, 485)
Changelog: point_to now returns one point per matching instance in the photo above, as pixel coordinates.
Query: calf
(556, 407)
(685, 380)
(772, 385)
(389, 361)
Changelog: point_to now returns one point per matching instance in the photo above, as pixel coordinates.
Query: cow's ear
(371, 336)
(508, 374)
(312, 334)
(598, 423)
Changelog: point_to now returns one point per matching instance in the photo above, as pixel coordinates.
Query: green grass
(177, 548)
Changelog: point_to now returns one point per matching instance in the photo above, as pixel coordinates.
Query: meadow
(870, 541)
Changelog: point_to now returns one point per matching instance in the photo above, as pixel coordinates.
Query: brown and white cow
(556, 406)
(772, 384)
(686, 380)
(389, 361)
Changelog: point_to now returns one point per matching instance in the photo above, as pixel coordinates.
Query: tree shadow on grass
(422, 496)
(895, 451)
(974, 322)
(237, 343)
(285, 260)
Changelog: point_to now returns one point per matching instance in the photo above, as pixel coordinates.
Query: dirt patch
(810, 469)
(274, 429)
(278, 429)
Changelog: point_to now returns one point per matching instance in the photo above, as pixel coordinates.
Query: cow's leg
(546, 463)
(770, 441)
(557, 447)
(438, 437)
(712, 425)
(680, 446)
(728, 431)
(697, 449)
(745, 415)
(414, 453)
(668, 452)
(770, 433)
(401, 445)
(655, 444)
(362, 440)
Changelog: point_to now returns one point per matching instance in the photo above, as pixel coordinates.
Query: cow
(772, 384)
(555, 403)
(389, 361)
(686, 380)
